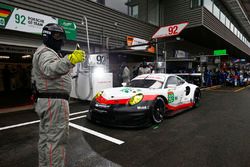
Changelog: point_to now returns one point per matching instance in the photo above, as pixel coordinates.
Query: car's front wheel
(158, 110)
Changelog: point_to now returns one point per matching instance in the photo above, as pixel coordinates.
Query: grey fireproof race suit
(51, 74)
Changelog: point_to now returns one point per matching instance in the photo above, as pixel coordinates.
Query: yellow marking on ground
(241, 89)
(217, 90)
(211, 88)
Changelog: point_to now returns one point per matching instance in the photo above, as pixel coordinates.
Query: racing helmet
(53, 36)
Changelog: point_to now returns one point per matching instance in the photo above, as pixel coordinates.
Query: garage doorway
(15, 75)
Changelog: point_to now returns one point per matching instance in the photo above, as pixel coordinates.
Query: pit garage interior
(15, 67)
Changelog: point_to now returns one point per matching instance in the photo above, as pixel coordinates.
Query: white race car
(147, 99)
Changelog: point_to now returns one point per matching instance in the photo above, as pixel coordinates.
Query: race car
(146, 100)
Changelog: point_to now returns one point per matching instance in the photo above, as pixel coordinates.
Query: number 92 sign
(170, 30)
(97, 59)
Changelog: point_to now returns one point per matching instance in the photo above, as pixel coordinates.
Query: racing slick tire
(158, 110)
(197, 97)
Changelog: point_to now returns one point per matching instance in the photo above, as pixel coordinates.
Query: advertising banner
(69, 28)
(26, 21)
(137, 41)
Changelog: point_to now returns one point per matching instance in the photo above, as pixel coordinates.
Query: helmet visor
(58, 36)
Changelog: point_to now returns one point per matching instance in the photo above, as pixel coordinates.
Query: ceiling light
(4, 57)
(178, 38)
(26, 56)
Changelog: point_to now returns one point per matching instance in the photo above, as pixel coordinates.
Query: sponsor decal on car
(126, 90)
(102, 105)
(171, 97)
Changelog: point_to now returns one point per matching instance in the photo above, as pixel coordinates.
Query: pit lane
(222, 88)
(214, 134)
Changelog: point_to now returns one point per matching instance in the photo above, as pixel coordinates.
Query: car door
(175, 91)
(181, 86)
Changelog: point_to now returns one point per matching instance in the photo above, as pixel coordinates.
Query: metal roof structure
(241, 11)
(246, 4)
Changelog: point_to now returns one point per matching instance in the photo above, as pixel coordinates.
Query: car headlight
(136, 99)
(98, 94)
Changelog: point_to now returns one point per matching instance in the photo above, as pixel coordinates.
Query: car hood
(124, 92)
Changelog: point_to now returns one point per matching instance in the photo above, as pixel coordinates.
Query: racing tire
(90, 118)
(197, 97)
(158, 110)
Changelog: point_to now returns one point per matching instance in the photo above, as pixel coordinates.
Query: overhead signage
(25, 21)
(131, 41)
(239, 60)
(69, 28)
(136, 41)
(181, 54)
(220, 52)
(171, 30)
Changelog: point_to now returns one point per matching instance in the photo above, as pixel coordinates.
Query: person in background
(52, 83)
(134, 71)
(144, 69)
(125, 73)
(206, 76)
(151, 66)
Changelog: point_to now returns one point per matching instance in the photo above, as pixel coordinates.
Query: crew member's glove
(77, 56)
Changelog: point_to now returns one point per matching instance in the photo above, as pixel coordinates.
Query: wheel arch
(164, 98)
(196, 88)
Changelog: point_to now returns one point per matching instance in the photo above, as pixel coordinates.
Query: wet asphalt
(216, 134)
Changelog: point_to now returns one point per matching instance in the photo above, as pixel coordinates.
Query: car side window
(171, 81)
(180, 81)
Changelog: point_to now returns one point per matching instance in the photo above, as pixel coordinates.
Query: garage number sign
(26, 21)
(170, 30)
(98, 59)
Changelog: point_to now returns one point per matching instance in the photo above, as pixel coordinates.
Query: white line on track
(19, 125)
(80, 112)
(103, 136)
(83, 116)
(111, 139)
(37, 121)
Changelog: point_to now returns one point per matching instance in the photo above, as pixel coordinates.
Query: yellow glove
(77, 56)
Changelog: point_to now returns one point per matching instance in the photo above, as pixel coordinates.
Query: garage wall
(177, 11)
(213, 24)
(101, 20)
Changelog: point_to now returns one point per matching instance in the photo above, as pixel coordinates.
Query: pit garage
(15, 67)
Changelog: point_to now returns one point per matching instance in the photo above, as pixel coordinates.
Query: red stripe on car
(179, 107)
(149, 97)
(102, 100)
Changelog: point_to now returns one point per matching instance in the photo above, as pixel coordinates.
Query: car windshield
(146, 83)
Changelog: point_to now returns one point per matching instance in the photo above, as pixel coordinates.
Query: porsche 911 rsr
(147, 99)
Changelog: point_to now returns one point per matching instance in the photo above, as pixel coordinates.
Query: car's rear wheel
(197, 97)
(158, 110)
